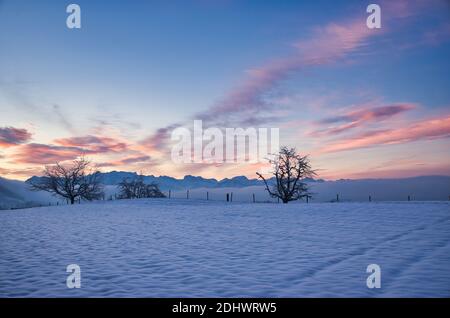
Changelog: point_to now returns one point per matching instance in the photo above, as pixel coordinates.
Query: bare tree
(71, 182)
(136, 189)
(289, 170)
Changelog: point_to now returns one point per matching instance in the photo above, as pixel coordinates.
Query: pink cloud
(326, 45)
(159, 140)
(428, 129)
(125, 161)
(93, 144)
(45, 154)
(357, 118)
(67, 149)
(22, 173)
(334, 41)
(10, 136)
(247, 102)
(244, 104)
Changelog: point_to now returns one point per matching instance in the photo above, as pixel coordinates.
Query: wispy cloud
(93, 144)
(427, 129)
(22, 172)
(22, 95)
(67, 149)
(125, 161)
(247, 103)
(326, 45)
(10, 136)
(45, 154)
(358, 118)
(62, 119)
(160, 139)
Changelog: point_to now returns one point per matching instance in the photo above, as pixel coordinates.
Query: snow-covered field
(180, 248)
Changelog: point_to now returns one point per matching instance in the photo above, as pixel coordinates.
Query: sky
(362, 103)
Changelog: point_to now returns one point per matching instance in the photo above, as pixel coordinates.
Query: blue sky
(138, 66)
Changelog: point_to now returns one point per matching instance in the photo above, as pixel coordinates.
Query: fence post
(231, 197)
(409, 198)
(307, 199)
(228, 197)
(337, 197)
(187, 194)
(255, 200)
(207, 195)
(169, 194)
(370, 198)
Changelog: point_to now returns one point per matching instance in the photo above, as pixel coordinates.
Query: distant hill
(17, 194)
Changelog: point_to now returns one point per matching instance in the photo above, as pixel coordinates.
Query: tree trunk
(72, 200)
(285, 201)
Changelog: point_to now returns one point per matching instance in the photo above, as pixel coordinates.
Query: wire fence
(223, 196)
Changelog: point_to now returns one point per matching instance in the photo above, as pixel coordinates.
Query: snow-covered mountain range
(188, 182)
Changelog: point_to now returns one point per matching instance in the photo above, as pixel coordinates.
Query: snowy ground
(179, 248)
